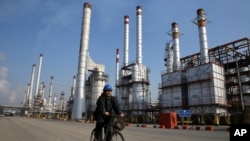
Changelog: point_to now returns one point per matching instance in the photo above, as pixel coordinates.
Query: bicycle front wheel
(117, 136)
(92, 136)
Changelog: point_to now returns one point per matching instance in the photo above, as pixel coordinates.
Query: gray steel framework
(233, 55)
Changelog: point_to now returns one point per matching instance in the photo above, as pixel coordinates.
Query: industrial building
(214, 84)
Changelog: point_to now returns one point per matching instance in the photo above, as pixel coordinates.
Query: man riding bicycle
(105, 104)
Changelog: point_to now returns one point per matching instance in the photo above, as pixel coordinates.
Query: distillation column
(79, 105)
(50, 92)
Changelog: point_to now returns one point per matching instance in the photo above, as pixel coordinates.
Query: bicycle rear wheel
(117, 136)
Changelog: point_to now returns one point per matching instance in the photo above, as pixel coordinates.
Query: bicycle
(115, 127)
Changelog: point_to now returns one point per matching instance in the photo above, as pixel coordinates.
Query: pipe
(38, 74)
(79, 105)
(176, 48)
(126, 40)
(201, 20)
(139, 35)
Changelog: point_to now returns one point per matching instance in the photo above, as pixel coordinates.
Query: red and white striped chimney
(117, 74)
(117, 66)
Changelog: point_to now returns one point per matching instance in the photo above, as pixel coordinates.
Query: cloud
(8, 96)
(3, 84)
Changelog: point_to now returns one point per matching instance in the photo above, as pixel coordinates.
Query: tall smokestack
(201, 20)
(38, 74)
(79, 105)
(139, 34)
(50, 90)
(176, 48)
(126, 40)
(31, 85)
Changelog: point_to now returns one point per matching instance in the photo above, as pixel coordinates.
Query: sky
(29, 28)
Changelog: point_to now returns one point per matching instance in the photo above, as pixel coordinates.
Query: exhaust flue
(79, 105)
(201, 21)
(126, 40)
(139, 35)
(176, 48)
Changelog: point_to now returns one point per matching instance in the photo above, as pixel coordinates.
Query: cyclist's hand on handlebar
(106, 113)
(122, 115)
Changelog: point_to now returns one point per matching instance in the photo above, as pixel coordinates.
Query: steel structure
(133, 82)
(214, 83)
(235, 59)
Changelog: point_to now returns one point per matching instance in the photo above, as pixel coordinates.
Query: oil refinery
(214, 84)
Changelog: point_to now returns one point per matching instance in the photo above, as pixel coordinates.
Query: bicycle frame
(110, 129)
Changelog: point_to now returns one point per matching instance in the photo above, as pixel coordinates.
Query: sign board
(184, 113)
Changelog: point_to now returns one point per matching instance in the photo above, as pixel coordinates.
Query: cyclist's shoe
(95, 139)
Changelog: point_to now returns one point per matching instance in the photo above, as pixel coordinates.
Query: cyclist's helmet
(107, 87)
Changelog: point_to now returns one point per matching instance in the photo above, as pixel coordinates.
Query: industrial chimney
(176, 48)
(30, 94)
(139, 35)
(201, 21)
(126, 40)
(38, 74)
(79, 105)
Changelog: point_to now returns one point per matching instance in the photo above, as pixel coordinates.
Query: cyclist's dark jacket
(105, 104)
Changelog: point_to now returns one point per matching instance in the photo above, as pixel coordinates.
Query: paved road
(32, 129)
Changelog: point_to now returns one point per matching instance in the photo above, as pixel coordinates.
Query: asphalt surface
(34, 129)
